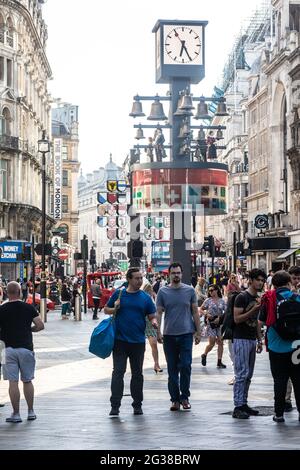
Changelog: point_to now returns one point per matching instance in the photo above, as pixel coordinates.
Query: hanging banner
(57, 178)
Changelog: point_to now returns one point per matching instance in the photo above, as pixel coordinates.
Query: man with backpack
(246, 342)
(280, 311)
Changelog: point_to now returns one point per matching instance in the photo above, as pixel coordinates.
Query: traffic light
(240, 249)
(84, 248)
(27, 252)
(209, 245)
(92, 256)
(135, 249)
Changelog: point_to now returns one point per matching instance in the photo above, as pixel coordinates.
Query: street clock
(179, 49)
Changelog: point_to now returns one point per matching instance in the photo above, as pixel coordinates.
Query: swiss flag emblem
(173, 195)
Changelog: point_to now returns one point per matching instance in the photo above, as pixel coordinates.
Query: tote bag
(103, 337)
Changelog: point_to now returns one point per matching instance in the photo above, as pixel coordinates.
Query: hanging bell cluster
(202, 110)
(157, 111)
(137, 109)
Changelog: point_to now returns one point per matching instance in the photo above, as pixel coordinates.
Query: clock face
(183, 45)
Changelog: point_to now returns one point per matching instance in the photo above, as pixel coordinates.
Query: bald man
(18, 321)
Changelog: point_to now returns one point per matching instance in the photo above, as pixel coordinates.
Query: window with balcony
(5, 122)
(3, 179)
(65, 204)
(65, 180)
(10, 33)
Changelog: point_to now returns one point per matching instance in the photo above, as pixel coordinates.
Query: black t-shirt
(15, 324)
(247, 329)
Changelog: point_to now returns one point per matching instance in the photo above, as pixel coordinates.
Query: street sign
(63, 254)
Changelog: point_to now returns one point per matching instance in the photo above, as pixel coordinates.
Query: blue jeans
(178, 352)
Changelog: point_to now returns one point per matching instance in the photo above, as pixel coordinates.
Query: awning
(287, 253)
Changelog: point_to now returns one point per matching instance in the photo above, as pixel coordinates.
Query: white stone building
(24, 113)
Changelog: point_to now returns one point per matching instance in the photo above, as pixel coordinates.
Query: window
(253, 116)
(65, 178)
(65, 152)
(3, 179)
(10, 33)
(263, 109)
(2, 29)
(1, 69)
(5, 121)
(9, 73)
(65, 204)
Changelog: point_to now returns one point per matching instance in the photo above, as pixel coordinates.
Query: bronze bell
(219, 135)
(186, 102)
(202, 111)
(137, 110)
(139, 134)
(201, 134)
(221, 109)
(181, 134)
(180, 111)
(157, 112)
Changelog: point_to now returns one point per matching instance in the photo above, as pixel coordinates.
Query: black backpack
(228, 322)
(287, 322)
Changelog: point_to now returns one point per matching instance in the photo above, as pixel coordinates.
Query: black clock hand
(184, 47)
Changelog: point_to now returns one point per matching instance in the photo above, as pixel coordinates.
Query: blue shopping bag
(103, 338)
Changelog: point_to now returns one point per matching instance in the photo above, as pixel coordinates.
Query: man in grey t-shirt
(179, 302)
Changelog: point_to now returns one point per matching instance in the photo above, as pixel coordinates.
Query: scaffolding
(254, 31)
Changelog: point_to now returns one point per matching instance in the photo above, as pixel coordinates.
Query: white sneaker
(14, 418)
(31, 415)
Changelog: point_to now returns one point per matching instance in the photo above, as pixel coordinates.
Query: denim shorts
(18, 361)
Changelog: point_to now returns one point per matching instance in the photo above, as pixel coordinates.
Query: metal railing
(9, 142)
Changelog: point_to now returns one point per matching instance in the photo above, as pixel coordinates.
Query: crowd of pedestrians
(246, 311)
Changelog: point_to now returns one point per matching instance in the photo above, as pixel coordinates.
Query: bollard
(78, 308)
(43, 310)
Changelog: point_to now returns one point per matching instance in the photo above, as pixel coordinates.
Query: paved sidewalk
(72, 403)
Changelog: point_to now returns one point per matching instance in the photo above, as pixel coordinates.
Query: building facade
(24, 114)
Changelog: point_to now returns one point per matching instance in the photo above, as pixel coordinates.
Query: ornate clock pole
(188, 184)
(180, 62)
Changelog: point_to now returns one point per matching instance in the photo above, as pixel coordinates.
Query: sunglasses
(211, 290)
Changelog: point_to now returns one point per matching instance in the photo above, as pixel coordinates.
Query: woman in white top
(213, 308)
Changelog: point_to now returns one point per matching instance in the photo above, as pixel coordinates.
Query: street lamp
(43, 148)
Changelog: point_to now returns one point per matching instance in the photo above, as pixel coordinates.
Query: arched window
(5, 122)
(2, 28)
(10, 32)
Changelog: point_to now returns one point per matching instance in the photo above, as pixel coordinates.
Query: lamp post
(43, 148)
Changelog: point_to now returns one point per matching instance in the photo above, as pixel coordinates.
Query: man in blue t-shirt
(130, 306)
(283, 366)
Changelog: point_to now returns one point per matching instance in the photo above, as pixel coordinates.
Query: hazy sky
(102, 54)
